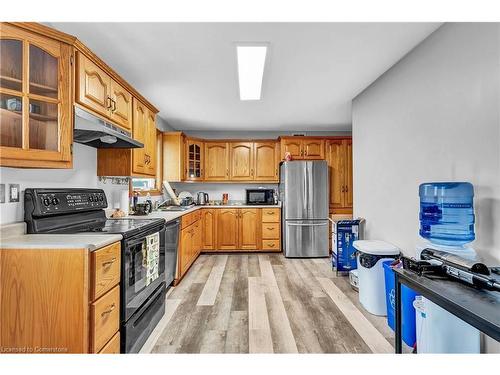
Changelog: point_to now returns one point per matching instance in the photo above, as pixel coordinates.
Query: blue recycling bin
(407, 309)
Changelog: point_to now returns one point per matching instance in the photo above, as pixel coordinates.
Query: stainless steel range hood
(95, 132)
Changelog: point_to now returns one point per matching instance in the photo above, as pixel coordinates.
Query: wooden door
(314, 149)
(139, 134)
(194, 160)
(249, 236)
(216, 161)
(185, 249)
(208, 229)
(266, 161)
(336, 168)
(36, 127)
(241, 161)
(93, 86)
(293, 146)
(197, 239)
(121, 106)
(227, 229)
(348, 173)
(150, 150)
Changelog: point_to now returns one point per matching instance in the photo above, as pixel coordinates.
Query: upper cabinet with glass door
(35, 102)
(194, 160)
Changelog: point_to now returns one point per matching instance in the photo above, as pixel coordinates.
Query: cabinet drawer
(271, 231)
(105, 318)
(113, 345)
(105, 269)
(270, 215)
(270, 244)
(187, 220)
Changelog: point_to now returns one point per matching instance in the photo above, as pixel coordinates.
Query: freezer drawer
(306, 238)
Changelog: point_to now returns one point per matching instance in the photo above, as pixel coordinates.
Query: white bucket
(438, 331)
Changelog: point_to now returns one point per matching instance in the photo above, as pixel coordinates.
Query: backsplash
(236, 191)
(83, 175)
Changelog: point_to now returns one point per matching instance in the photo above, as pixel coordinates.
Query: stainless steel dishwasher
(171, 244)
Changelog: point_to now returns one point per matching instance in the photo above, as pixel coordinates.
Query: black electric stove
(69, 211)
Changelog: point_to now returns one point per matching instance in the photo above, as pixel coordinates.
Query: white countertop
(13, 236)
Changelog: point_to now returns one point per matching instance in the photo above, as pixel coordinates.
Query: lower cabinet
(208, 229)
(227, 229)
(60, 300)
(249, 224)
(224, 230)
(190, 241)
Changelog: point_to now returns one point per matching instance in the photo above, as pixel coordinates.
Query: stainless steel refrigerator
(304, 196)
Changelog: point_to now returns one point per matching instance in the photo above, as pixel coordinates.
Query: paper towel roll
(124, 201)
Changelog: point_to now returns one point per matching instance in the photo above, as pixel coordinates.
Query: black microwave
(260, 196)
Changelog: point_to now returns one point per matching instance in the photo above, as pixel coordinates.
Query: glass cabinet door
(43, 111)
(11, 64)
(11, 86)
(194, 160)
(35, 101)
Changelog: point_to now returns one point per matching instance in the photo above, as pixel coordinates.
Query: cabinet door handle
(270, 228)
(270, 245)
(270, 212)
(227, 172)
(108, 311)
(114, 105)
(108, 102)
(109, 262)
(346, 188)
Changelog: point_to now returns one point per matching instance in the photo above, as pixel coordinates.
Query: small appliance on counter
(260, 196)
(202, 198)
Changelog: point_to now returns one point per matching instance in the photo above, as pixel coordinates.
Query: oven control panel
(52, 201)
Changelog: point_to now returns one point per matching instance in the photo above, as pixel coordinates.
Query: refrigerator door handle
(306, 225)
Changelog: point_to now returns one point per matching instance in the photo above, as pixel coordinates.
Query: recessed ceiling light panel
(251, 61)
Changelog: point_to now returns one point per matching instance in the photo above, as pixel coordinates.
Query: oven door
(137, 287)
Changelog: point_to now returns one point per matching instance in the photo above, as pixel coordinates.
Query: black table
(479, 308)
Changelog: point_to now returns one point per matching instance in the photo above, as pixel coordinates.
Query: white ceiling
(188, 70)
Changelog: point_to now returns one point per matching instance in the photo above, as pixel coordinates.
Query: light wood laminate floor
(266, 303)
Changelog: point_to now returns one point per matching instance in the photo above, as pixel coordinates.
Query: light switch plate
(2, 193)
(14, 193)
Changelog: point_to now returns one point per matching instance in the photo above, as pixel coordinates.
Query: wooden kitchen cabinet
(150, 144)
(241, 161)
(139, 134)
(293, 146)
(216, 161)
(227, 228)
(121, 109)
(35, 100)
(139, 162)
(208, 229)
(303, 148)
(339, 157)
(190, 243)
(249, 229)
(266, 161)
(65, 300)
(173, 156)
(93, 86)
(97, 91)
(194, 159)
(313, 149)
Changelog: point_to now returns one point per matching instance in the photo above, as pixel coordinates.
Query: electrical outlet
(2, 193)
(14, 192)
